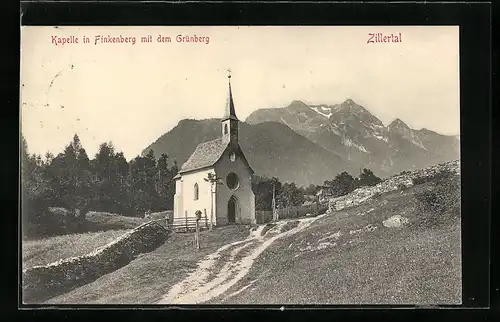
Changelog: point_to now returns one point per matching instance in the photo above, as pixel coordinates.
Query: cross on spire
(228, 73)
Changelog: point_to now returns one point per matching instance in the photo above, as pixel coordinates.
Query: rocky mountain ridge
(360, 138)
(308, 144)
(271, 148)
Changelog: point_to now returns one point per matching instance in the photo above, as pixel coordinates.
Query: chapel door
(231, 210)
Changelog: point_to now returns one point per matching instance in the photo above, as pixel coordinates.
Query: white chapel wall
(186, 197)
(244, 193)
(178, 199)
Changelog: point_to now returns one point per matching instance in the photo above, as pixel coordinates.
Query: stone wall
(393, 183)
(43, 282)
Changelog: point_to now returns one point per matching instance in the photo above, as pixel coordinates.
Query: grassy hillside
(97, 221)
(101, 228)
(401, 247)
(148, 277)
(48, 250)
(351, 257)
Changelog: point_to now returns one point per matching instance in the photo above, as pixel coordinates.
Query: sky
(131, 94)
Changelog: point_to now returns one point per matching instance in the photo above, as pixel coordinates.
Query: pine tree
(162, 182)
(104, 167)
(34, 191)
(84, 194)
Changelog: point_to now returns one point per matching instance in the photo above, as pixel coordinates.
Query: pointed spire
(229, 112)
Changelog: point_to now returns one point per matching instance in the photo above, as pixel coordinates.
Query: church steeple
(230, 121)
(229, 112)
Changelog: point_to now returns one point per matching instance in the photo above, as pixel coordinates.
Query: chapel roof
(205, 155)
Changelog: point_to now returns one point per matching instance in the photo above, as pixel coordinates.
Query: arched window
(196, 191)
(225, 128)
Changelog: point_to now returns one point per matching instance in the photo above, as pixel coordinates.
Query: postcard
(240, 165)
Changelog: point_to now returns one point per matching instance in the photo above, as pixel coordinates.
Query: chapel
(230, 200)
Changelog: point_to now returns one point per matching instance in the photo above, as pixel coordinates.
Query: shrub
(421, 180)
(402, 186)
(367, 179)
(321, 210)
(444, 174)
(341, 185)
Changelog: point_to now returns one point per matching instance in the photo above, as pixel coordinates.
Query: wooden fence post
(198, 234)
(206, 218)
(187, 222)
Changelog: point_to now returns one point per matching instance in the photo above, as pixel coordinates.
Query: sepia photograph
(240, 165)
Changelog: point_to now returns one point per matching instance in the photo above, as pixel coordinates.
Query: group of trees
(288, 194)
(344, 183)
(106, 183)
(110, 183)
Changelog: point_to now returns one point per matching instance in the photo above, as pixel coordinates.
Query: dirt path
(222, 269)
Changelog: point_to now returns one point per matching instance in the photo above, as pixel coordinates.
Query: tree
(214, 181)
(111, 188)
(65, 175)
(165, 183)
(34, 192)
(121, 185)
(108, 182)
(367, 178)
(263, 190)
(341, 185)
(290, 195)
(151, 179)
(83, 197)
(143, 177)
(49, 157)
(312, 189)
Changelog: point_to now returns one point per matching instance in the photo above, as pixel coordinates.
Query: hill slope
(352, 257)
(402, 247)
(48, 250)
(390, 250)
(272, 149)
(145, 279)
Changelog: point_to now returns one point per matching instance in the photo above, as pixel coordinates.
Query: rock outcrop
(393, 183)
(43, 282)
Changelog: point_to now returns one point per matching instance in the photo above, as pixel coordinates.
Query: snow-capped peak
(322, 110)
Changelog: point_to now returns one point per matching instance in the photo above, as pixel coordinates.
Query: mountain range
(308, 144)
